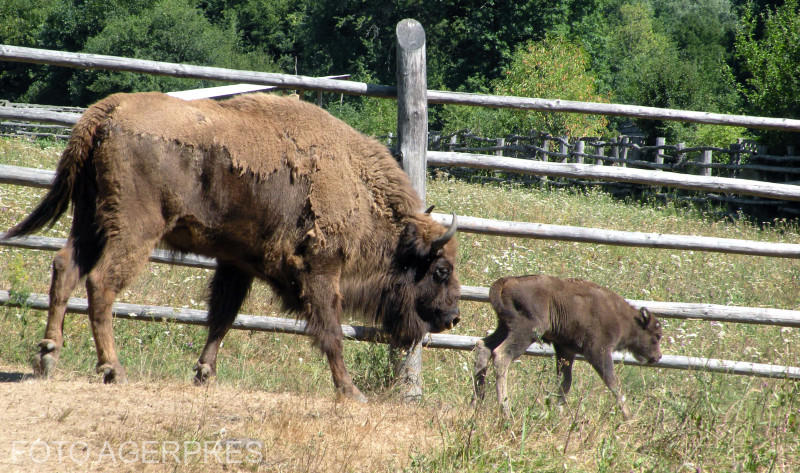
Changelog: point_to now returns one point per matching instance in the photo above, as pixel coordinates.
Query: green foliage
(19, 21)
(769, 47)
(654, 71)
(681, 54)
(549, 69)
(371, 116)
(171, 31)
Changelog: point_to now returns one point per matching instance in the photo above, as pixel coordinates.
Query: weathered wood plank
(412, 105)
(39, 115)
(673, 310)
(114, 63)
(686, 310)
(96, 61)
(620, 238)
(440, 340)
(613, 173)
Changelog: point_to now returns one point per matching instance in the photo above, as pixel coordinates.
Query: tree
(551, 68)
(19, 23)
(654, 71)
(171, 31)
(771, 60)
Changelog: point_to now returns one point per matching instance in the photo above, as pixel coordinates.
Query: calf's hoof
(112, 374)
(203, 373)
(44, 362)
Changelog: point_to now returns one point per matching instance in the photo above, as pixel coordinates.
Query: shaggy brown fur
(577, 317)
(273, 188)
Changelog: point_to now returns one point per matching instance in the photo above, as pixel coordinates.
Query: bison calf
(576, 317)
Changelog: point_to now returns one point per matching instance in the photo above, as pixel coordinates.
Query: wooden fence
(24, 176)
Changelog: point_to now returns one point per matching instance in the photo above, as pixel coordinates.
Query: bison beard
(274, 189)
(577, 317)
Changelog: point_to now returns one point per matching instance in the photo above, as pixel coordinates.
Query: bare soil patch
(79, 424)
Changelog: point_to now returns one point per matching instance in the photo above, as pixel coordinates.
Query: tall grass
(682, 420)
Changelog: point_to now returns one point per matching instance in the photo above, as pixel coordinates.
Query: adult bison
(273, 188)
(577, 317)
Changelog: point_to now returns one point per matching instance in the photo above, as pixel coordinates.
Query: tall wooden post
(412, 144)
(412, 102)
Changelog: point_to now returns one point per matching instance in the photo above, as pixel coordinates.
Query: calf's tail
(70, 171)
(495, 295)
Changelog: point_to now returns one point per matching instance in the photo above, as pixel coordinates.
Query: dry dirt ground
(78, 424)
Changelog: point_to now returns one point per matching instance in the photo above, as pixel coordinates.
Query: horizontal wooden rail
(620, 238)
(115, 63)
(675, 310)
(34, 242)
(38, 114)
(96, 61)
(687, 310)
(440, 340)
(616, 173)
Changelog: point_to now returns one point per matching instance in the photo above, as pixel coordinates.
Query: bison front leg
(65, 278)
(604, 365)
(323, 306)
(483, 353)
(228, 288)
(515, 344)
(564, 361)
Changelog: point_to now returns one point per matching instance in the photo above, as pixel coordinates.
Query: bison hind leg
(229, 288)
(121, 259)
(65, 276)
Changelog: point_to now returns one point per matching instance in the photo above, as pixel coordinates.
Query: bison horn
(429, 209)
(442, 240)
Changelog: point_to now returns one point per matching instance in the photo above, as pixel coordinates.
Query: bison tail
(70, 171)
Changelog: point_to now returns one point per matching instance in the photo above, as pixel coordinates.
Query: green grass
(683, 420)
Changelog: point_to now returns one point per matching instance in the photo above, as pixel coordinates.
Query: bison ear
(411, 246)
(644, 317)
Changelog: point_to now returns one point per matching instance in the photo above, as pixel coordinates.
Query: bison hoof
(351, 393)
(112, 374)
(203, 373)
(45, 361)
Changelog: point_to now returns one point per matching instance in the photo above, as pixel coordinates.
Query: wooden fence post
(600, 151)
(660, 142)
(706, 159)
(579, 146)
(412, 144)
(624, 151)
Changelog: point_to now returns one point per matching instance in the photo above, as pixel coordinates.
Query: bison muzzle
(273, 188)
(576, 317)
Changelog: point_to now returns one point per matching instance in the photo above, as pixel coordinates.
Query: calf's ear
(644, 317)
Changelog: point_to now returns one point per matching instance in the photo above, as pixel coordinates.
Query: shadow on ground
(11, 377)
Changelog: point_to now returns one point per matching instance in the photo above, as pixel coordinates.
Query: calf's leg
(602, 363)
(483, 352)
(518, 339)
(65, 278)
(564, 361)
(229, 287)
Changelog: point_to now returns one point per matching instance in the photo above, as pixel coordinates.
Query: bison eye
(441, 274)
